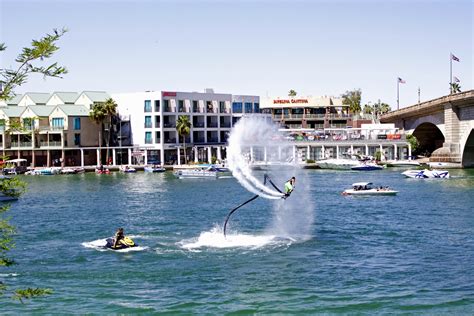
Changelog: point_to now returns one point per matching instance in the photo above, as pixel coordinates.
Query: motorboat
(365, 188)
(102, 170)
(339, 164)
(15, 166)
(207, 173)
(154, 169)
(402, 163)
(367, 166)
(72, 170)
(426, 174)
(127, 169)
(48, 171)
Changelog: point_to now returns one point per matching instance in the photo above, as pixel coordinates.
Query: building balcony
(212, 140)
(45, 144)
(225, 124)
(148, 141)
(199, 125)
(183, 110)
(169, 125)
(170, 141)
(51, 128)
(148, 125)
(199, 140)
(315, 116)
(21, 145)
(169, 109)
(212, 125)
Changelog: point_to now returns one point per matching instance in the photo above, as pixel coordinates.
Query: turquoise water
(412, 253)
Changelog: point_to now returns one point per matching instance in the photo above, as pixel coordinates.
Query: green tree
(368, 109)
(110, 110)
(28, 62)
(97, 115)
(183, 127)
(455, 87)
(352, 99)
(415, 145)
(292, 93)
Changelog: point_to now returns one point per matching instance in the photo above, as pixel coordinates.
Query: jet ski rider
(118, 237)
(289, 186)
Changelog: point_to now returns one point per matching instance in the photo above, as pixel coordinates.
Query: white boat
(127, 169)
(402, 163)
(208, 173)
(339, 164)
(72, 170)
(365, 188)
(15, 166)
(154, 169)
(426, 174)
(367, 166)
(48, 171)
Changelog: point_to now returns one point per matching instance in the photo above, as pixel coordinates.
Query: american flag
(400, 80)
(454, 58)
(456, 79)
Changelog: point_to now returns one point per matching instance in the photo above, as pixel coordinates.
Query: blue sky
(250, 47)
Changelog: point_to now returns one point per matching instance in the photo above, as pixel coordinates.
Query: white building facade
(153, 117)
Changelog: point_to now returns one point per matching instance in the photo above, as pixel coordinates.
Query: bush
(310, 161)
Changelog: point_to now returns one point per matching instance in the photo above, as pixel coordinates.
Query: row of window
(236, 107)
(248, 107)
(57, 122)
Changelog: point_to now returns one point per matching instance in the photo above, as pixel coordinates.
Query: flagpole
(451, 73)
(398, 93)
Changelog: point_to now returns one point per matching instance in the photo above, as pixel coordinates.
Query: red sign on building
(168, 94)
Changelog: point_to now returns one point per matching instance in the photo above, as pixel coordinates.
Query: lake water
(411, 253)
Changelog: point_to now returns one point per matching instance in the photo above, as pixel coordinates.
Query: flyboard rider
(289, 186)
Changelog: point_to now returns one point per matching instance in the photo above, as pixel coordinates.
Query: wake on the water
(256, 142)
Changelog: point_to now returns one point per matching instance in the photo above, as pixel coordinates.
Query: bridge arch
(468, 152)
(429, 137)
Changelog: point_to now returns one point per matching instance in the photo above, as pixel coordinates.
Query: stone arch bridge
(443, 126)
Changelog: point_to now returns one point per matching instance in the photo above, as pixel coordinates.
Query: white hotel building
(153, 116)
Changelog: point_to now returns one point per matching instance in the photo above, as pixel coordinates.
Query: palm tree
(455, 87)
(110, 110)
(292, 93)
(352, 99)
(97, 115)
(183, 127)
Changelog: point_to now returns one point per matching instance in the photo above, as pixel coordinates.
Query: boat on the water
(365, 188)
(426, 174)
(48, 171)
(15, 166)
(72, 170)
(367, 166)
(207, 173)
(102, 170)
(338, 164)
(154, 169)
(402, 163)
(127, 169)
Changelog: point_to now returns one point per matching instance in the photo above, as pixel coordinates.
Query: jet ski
(126, 242)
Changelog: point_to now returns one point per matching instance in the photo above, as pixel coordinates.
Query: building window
(256, 108)
(237, 107)
(166, 104)
(148, 123)
(148, 139)
(58, 123)
(157, 137)
(157, 105)
(147, 106)
(77, 123)
(181, 106)
(248, 107)
(77, 139)
(28, 123)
